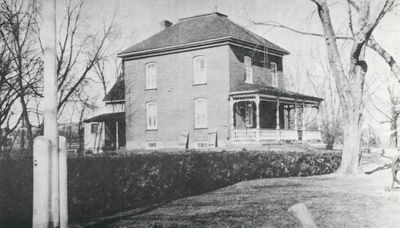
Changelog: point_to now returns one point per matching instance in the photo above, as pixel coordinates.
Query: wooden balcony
(253, 135)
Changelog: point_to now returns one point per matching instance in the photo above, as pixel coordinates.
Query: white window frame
(200, 113)
(199, 74)
(151, 77)
(151, 116)
(248, 70)
(274, 73)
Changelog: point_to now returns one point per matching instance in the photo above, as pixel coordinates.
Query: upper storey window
(274, 71)
(248, 71)
(151, 76)
(199, 70)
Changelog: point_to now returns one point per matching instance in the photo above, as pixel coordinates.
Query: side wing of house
(106, 131)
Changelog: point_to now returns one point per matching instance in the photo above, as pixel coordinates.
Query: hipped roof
(202, 28)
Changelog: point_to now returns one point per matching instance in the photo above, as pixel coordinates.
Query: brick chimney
(165, 24)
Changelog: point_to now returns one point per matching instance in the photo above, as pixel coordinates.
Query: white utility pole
(48, 36)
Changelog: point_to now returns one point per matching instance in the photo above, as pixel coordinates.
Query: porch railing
(244, 134)
(273, 134)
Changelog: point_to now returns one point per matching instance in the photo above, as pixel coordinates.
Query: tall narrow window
(274, 71)
(199, 70)
(151, 115)
(151, 76)
(200, 113)
(248, 71)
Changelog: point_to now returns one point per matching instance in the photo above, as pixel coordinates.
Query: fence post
(62, 148)
(41, 182)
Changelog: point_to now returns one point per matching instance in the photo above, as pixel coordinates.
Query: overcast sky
(139, 19)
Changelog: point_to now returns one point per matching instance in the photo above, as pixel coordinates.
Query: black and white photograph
(199, 113)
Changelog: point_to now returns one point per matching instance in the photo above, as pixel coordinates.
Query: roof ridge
(212, 26)
(203, 15)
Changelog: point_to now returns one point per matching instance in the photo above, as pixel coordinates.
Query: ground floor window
(151, 115)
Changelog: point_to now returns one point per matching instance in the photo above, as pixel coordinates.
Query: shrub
(103, 185)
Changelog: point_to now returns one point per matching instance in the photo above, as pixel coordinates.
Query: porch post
(231, 117)
(258, 110)
(285, 117)
(277, 114)
(277, 119)
(258, 116)
(303, 122)
(116, 135)
(319, 118)
(295, 115)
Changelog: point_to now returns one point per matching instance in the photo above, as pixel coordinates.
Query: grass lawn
(359, 201)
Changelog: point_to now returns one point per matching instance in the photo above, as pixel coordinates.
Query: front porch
(259, 117)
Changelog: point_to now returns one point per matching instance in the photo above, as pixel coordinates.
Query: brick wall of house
(261, 71)
(175, 96)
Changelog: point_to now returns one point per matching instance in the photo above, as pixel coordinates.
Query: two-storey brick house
(207, 81)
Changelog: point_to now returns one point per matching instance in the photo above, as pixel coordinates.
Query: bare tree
(18, 37)
(8, 96)
(394, 116)
(390, 110)
(100, 71)
(77, 56)
(350, 84)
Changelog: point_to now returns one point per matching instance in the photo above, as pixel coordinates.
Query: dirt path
(360, 201)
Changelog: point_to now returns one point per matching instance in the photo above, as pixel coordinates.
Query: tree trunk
(393, 128)
(351, 148)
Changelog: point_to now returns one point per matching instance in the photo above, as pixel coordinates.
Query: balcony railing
(274, 135)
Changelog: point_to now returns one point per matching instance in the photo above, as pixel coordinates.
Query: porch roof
(107, 116)
(246, 88)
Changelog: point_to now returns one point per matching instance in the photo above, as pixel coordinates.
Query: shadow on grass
(379, 168)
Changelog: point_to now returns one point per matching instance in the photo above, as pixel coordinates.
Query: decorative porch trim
(251, 94)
